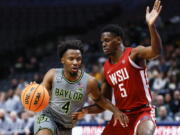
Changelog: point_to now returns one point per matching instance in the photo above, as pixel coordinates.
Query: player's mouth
(75, 69)
(106, 50)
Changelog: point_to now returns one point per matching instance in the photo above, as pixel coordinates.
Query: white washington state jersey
(67, 97)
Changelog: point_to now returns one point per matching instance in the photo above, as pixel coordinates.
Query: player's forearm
(107, 105)
(93, 109)
(156, 42)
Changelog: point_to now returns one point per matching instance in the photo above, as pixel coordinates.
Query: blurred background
(30, 30)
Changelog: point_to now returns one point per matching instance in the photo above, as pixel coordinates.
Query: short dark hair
(69, 44)
(114, 29)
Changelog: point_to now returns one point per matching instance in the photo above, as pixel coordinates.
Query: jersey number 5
(122, 90)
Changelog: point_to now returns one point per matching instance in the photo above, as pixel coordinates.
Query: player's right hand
(122, 118)
(30, 83)
(79, 115)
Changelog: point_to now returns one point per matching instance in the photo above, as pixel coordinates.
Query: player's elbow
(156, 52)
(153, 56)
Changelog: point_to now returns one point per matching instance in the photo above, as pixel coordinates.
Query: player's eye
(107, 40)
(79, 59)
(71, 58)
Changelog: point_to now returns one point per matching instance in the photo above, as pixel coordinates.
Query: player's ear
(62, 60)
(119, 39)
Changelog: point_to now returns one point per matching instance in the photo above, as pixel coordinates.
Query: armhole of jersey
(134, 64)
(55, 77)
(104, 72)
(88, 77)
(53, 81)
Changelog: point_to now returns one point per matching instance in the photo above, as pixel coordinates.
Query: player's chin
(72, 73)
(106, 52)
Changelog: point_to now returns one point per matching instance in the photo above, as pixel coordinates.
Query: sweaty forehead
(107, 35)
(73, 52)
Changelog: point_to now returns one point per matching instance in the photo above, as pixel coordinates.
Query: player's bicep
(48, 78)
(106, 89)
(93, 89)
(142, 52)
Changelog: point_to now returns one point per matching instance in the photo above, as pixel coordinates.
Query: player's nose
(104, 44)
(75, 62)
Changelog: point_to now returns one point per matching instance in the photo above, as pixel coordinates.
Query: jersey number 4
(66, 107)
(122, 90)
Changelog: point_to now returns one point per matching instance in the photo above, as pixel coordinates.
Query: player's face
(110, 43)
(72, 60)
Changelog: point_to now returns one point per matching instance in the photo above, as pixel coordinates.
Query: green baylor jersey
(67, 97)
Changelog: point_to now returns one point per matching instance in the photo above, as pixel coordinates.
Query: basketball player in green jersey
(69, 88)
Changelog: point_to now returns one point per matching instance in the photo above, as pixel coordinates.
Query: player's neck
(70, 77)
(117, 55)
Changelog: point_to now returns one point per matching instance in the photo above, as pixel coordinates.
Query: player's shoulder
(91, 79)
(136, 49)
(51, 72)
(92, 83)
(54, 70)
(48, 78)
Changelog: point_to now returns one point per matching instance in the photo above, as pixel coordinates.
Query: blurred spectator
(37, 78)
(99, 118)
(2, 100)
(27, 123)
(153, 63)
(20, 64)
(16, 123)
(177, 117)
(167, 100)
(159, 100)
(154, 97)
(172, 83)
(175, 103)
(5, 123)
(164, 65)
(93, 119)
(101, 61)
(30, 124)
(160, 83)
(33, 65)
(13, 102)
(24, 117)
(14, 83)
(96, 72)
(163, 115)
(21, 84)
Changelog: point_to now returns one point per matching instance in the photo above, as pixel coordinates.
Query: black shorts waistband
(136, 108)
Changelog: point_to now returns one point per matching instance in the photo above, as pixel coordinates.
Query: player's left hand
(122, 118)
(151, 16)
(79, 115)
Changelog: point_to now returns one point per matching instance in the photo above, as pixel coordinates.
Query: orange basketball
(35, 97)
